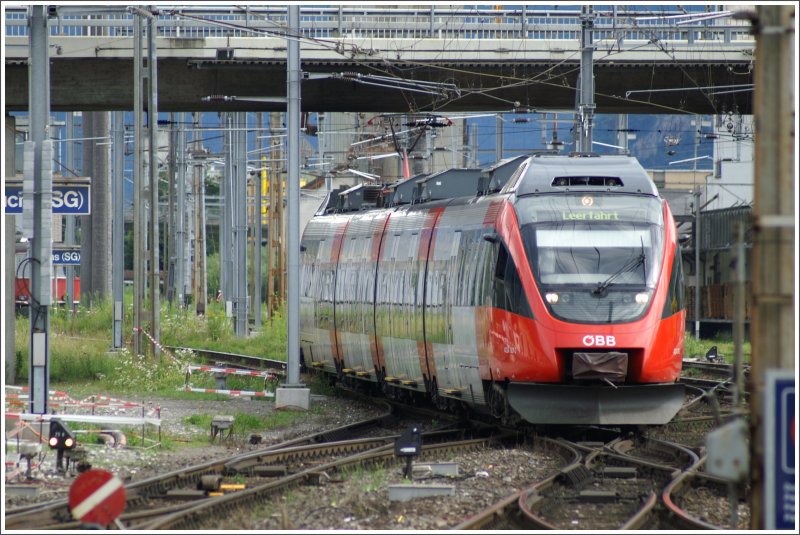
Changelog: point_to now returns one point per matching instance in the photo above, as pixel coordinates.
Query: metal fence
(615, 25)
(718, 227)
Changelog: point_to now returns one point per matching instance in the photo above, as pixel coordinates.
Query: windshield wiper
(630, 265)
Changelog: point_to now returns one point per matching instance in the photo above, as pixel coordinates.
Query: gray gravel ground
(357, 500)
(136, 463)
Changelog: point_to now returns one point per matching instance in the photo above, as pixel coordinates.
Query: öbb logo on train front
(599, 340)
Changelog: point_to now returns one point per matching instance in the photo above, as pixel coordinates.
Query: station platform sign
(68, 256)
(70, 197)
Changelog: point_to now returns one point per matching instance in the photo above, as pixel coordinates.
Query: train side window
(508, 292)
(483, 295)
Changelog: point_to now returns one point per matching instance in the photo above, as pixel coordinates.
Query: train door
(309, 271)
(454, 270)
(321, 334)
(399, 300)
(354, 294)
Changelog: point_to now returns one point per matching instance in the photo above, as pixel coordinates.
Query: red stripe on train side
(376, 346)
(338, 238)
(428, 237)
(490, 217)
(336, 250)
(377, 238)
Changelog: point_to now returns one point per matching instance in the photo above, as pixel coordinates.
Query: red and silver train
(557, 299)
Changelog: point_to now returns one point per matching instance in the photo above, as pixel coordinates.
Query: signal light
(408, 445)
(61, 437)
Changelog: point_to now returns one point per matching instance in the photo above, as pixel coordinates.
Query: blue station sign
(780, 449)
(66, 257)
(68, 199)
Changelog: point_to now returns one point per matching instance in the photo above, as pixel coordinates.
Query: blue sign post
(780, 448)
(66, 257)
(68, 199)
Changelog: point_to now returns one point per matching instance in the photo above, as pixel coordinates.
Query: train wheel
(498, 401)
(438, 401)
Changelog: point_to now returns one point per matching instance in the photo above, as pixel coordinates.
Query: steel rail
(680, 485)
(193, 517)
(511, 507)
(249, 361)
(534, 503)
(30, 516)
(678, 455)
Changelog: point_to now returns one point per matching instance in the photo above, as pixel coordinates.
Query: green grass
(73, 357)
(80, 343)
(215, 331)
(244, 423)
(367, 479)
(725, 347)
(79, 349)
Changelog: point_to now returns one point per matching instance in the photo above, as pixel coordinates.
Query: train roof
(496, 176)
(559, 174)
(457, 182)
(402, 192)
(522, 175)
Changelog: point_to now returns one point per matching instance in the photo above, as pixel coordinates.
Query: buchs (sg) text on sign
(67, 199)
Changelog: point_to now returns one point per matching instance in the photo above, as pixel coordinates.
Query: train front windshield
(596, 258)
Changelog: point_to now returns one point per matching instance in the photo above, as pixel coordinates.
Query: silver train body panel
(374, 310)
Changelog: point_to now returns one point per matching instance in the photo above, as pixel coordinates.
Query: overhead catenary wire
(388, 60)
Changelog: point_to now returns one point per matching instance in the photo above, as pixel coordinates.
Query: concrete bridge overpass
(394, 59)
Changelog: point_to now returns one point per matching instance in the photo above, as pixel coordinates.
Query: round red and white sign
(96, 497)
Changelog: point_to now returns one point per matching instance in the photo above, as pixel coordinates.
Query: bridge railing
(390, 23)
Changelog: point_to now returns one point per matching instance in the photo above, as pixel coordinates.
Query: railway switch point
(222, 426)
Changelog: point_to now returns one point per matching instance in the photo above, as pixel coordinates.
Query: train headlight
(642, 298)
(551, 297)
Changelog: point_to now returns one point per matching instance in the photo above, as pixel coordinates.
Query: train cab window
(508, 293)
(674, 302)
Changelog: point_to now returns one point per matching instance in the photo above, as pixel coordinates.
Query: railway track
(250, 362)
(680, 498)
(57, 513)
(196, 516)
(621, 484)
(605, 491)
(617, 483)
(179, 498)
